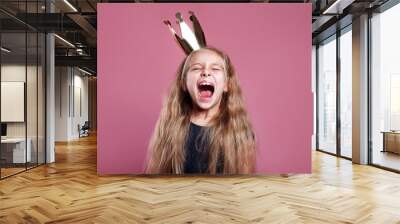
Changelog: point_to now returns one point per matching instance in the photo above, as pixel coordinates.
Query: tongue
(205, 93)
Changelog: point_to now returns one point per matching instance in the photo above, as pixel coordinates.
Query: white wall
(12, 101)
(33, 127)
(71, 92)
(81, 103)
(16, 72)
(9, 73)
(62, 80)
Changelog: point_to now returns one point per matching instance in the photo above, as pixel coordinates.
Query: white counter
(19, 155)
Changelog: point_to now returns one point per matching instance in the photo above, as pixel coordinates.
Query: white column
(360, 90)
(50, 92)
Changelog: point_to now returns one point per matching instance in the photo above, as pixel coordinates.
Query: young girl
(203, 126)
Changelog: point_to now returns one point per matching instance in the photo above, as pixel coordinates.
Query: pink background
(270, 47)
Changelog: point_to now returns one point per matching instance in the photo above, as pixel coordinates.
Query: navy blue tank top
(196, 149)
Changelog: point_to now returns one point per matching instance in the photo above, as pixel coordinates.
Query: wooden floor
(387, 159)
(5, 172)
(70, 191)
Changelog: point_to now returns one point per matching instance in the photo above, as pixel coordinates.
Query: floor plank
(70, 191)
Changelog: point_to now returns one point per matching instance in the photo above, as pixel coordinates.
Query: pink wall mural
(269, 45)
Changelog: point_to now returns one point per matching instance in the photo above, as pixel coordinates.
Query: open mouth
(206, 89)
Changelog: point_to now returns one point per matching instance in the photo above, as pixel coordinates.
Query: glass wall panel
(32, 95)
(22, 88)
(14, 153)
(346, 93)
(41, 98)
(32, 86)
(327, 95)
(385, 88)
(313, 80)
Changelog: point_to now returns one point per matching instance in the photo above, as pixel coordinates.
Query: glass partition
(385, 89)
(22, 77)
(32, 95)
(327, 95)
(14, 153)
(346, 93)
(41, 91)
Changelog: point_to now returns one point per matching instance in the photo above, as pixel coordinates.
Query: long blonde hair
(230, 136)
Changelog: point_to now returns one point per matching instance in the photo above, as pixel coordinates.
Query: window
(385, 88)
(346, 93)
(327, 95)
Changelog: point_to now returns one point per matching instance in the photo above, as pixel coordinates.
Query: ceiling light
(5, 50)
(84, 71)
(70, 5)
(65, 41)
(338, 6)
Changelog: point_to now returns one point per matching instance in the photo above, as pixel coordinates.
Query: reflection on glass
(314, 75)
(395, 101)
(41, 98)
(327, 96)
(346, 94)
(386, 89)
(31, 101)
(22, 91)
(14, 153)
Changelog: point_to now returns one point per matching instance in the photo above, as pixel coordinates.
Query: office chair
(84, 130)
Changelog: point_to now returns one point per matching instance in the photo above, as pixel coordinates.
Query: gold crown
(188, 40)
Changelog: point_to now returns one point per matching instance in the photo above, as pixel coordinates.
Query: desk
(15, 148)
(391, 141)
